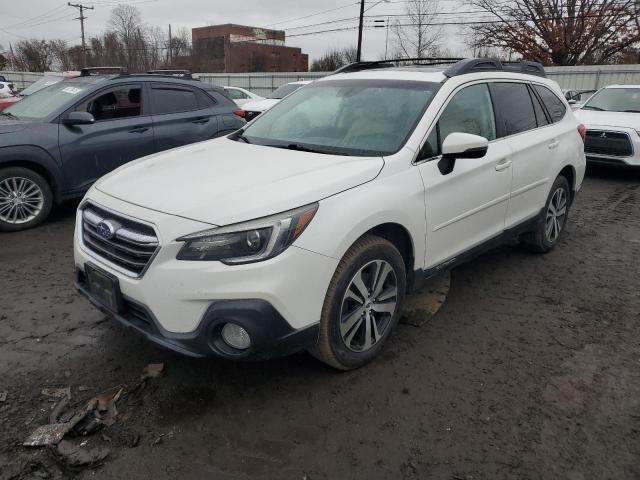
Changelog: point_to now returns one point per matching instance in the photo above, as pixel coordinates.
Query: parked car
(241, 96)
(612, 120)
(306, 228)
(6, 90)
(45, 81)
(254, 108)
(56, 142)
(577, 98)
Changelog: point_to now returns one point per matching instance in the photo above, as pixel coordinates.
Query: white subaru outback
(306, 228)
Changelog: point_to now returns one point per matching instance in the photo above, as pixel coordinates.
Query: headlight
(248, 242)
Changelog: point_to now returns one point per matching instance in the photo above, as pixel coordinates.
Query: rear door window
(172, 99)
(514, 108)
(555, 106)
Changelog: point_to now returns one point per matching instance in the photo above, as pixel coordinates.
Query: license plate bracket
(104, 288)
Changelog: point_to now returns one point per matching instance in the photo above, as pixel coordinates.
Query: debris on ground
(153, 370)
(74, 456)
(57, 392)
(48, 434)
(422, 305)
(3, 396)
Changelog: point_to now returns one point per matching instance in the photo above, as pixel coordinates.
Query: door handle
(503, 164)
(201, 120)
(139, 129)
(554, 144)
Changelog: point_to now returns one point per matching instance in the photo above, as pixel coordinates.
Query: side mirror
(464, 145)
(573, 101)
(78, 118)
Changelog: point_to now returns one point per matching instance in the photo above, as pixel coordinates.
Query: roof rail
(89, 71)
(475, 65)
(426, 61)
(172, 73)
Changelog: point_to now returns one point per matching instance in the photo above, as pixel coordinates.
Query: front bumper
(271, 335)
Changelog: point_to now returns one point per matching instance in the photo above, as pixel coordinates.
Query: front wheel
(552, 220)
(362, 305)
(25, 199)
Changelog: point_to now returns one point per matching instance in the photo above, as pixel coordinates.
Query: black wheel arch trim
(40, 161)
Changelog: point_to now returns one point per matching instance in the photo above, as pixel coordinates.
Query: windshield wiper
(631, 111)
(243, 138)
(589, 107)
(301, 148)
(9, 114)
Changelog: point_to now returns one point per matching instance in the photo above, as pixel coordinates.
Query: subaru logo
(603, 135)
(106, 229)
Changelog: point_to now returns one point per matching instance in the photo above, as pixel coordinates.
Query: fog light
(235, 336)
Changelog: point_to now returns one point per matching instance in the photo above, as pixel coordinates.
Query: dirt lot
(530, 371)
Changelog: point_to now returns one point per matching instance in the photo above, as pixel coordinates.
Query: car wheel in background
(25, 199)
(362, 305)
(552, 219)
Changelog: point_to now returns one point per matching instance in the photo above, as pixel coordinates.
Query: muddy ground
(531, 370)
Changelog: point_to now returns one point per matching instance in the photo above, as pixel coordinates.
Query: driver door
(467, 205)
(123, 131)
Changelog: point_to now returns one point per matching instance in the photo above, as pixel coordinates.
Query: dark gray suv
(55, 143)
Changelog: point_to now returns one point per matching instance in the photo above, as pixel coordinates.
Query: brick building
(233, 48)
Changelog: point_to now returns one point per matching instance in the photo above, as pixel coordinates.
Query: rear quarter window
(170, 99)
(554, 105)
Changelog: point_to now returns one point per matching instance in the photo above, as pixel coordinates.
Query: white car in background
(612, 119)
(241, 96)
(254, 108)
(6, 90)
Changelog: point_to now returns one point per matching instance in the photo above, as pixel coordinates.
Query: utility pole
(359, 55)
(82, 18)
(170, 50)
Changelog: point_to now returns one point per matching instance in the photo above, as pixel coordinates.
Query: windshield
(285, 90)
(40, 84)
(44, 102)
(344, 117)
(615, 100)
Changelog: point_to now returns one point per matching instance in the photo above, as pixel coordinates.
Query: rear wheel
(362, 305)
(552, 219)
(25, 199)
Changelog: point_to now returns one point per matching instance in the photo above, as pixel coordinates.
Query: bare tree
(334, 58)
(60, 52)
(34, 55)
(415, 35)
(561, 32)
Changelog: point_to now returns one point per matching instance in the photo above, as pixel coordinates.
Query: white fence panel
(21, 79)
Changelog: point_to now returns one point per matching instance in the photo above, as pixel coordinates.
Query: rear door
(526, 125)
(181, 115)
(466, 206)
(122, 132)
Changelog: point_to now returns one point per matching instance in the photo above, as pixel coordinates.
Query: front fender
(40, 160)
(343, 218)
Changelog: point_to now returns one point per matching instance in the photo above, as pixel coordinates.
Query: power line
(82, 18)
(314, 14)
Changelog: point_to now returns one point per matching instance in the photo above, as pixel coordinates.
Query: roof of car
(97, 79)
(622, 86)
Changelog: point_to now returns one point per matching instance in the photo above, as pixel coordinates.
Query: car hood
(260, 105)
(609, 119)
(222, 181)
(11, 125)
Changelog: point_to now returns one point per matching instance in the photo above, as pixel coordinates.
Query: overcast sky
(54, 19)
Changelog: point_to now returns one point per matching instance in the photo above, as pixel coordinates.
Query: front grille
(129, 244)
(601, 142)
(251, 115)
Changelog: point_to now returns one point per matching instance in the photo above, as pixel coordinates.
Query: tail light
(582, 131)
(239, 112)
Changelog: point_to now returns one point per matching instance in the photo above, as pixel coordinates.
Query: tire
(348, 348)
(543, 240)
(35, 199)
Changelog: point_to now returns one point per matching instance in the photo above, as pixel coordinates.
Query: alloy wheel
(368, 305)
(21, 200)
(556, 215)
